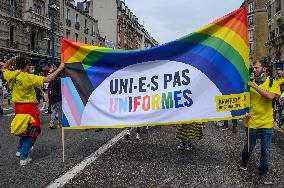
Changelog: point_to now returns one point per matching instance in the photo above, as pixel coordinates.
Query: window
(67, 13)
(269, 32)
(77, 18)
(76, 37)
(251, 48)
(12, 2)
(277, 6)
(48, 47)
(277, 31)
(12, 31)
(32, 41)
(250, 7)
(119, 27)
(123, 6)
(250, 35)
(93, 29)
(118, 39)
(269, 12)
(278, 52)
(250, 20)
(37, 9)
(272, 34)
(43, 9)
(68, 34)
(281, 28)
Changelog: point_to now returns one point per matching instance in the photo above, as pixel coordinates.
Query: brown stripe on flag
(80, 80)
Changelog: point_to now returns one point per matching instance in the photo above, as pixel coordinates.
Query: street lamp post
(53, 9)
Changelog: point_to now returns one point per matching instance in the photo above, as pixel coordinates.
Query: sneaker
(127, 136)
(25, 162)
(180, 146)
(187, 146)
(51, 126)
(59, 126)
(137, 136)
(224, 128)
(18, 154)
(46, 112)
(265, 180)
(243, 167)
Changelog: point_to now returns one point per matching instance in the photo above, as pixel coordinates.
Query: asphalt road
(152, 161)
(47, 162)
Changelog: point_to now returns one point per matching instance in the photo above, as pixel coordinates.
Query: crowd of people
(27, 89)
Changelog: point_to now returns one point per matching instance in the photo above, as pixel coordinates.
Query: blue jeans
(24, 146)
(265, 136)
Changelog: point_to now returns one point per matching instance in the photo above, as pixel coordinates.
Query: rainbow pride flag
(200, 77)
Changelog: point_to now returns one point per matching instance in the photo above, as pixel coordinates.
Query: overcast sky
(167, 20)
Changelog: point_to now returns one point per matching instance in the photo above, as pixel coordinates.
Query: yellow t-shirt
(23, 88)
(260, 108)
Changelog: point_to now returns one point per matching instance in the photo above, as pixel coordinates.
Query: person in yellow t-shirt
(260, 120)
(22, 84)
(278, 103)
(280, 77)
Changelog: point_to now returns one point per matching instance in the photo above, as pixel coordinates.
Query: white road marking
(65, 178)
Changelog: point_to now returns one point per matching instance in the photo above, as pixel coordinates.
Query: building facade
(257, 29)
(120, 26)
(79, 26)
(130, 33)
(275, 42)
(25, 29)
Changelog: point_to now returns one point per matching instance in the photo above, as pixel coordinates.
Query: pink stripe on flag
(71, 104)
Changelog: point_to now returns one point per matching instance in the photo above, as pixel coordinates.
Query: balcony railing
(12, 44)
(77, 25)
(15, 12)
(68, 22)
(31, 16)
